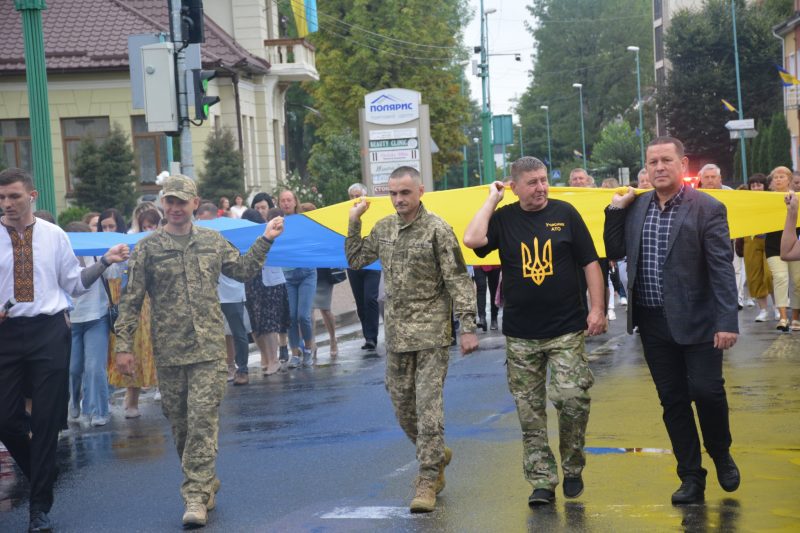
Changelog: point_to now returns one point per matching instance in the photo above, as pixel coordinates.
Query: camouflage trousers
(190, 398)
(414, 381)
(570, 379)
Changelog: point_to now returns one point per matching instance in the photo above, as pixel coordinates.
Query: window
(659, 32)
(661, 77)
(150, 149)
(16, 143)
(73, 130)
(656, 9)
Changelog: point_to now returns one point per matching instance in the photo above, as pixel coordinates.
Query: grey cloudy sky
(507, 35)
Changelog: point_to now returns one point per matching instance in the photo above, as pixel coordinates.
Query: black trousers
(492, 278)
(684, 374)
(34, 351)
(365, 284)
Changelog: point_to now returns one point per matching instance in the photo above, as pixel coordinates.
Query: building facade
(89, 85)
(789, 33)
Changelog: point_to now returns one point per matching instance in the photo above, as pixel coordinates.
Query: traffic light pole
(187, 161)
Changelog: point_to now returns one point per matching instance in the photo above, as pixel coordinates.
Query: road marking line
(367, 513)
(402, 469)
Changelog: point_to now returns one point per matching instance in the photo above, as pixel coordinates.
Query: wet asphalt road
(319, 450)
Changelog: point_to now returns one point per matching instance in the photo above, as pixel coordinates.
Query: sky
(507, 35)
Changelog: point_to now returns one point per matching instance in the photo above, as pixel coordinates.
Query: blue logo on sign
(386, 102)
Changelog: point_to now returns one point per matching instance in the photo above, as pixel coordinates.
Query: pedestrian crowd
(161, 316)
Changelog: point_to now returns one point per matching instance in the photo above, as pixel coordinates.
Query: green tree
(104, 173)
(335, 165)
(301, 133)
(224, 167)
(755, 152)
(779, 143)
(71, 214)
(700, 47)
(617, 147)
(579, 41)
(415, 46)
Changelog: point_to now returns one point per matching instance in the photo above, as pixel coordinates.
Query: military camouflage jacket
(424, 277)
(186, 320)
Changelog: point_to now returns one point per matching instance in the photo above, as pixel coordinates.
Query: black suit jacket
(699, 283)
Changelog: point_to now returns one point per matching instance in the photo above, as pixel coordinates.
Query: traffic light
(202, 102)
(192, 24)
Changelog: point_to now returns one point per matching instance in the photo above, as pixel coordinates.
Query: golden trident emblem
(540, 267)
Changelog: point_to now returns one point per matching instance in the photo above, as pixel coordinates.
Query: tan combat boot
(212, 498)
(196, 515)
(425, 499)
(448, 456)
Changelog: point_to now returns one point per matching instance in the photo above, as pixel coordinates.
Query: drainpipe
(235, 79)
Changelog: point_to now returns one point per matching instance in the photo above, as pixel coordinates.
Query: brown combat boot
(425, 499)
(448, 456)
(212, 498)
(241, 378)
(196, 515)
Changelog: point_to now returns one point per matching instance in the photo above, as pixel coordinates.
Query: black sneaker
(541, 497)
(369, 345)
(573, 486)
(40, 522)
(493, 327)
(727, 473)
(689, 492)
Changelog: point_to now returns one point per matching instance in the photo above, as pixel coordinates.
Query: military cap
(179, 186)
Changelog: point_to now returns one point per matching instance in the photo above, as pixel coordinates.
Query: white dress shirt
(229, 290)
(56, 271)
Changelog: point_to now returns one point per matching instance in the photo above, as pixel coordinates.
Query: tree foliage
(700, 48)
(224, 167)
(779, 148)
(335, 165)
(617, 147)
(416, 46)
(104, 173)
(582, 41)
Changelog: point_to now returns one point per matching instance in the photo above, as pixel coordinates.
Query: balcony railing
(292, 59)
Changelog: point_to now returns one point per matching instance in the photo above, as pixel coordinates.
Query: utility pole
(38, 104)
(176, 25)
(486, 114)
(742, 144)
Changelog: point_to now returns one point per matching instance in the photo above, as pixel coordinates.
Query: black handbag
(113, 309)
(337, 275)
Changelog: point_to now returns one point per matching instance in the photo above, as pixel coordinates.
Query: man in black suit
(682, 292)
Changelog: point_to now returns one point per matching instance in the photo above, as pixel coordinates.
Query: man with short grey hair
(546, 253)
(643, 180)
(711, 177)
(578, 177)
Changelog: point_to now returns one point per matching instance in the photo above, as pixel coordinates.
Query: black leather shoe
(689, 492)
(482, 324)
(369, 345)
(573, 486)
(40, 522)
(727, 473)
(541, 497)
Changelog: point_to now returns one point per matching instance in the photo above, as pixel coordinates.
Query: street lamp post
(478, 153)
(742, 144)
(635, 49)
(486, 114)
(549, 148)
(579, 86)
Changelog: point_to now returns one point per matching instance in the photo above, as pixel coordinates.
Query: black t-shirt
(772, 243)
(546, 297)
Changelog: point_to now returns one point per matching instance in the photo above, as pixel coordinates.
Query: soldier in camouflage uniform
(548, 259)
(178, 267)
(425, 278)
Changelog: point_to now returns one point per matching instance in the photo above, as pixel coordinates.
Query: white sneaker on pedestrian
(750, 302)
(762, 316)
(157, 395)
(74, 411)
(132, 412)
(294, 362)
(98, 421)
(776, 314)
(612, 315)
(623, 302)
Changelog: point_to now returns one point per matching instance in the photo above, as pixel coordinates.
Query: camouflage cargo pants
(570, 380)
(190, 398)
(414, 381)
